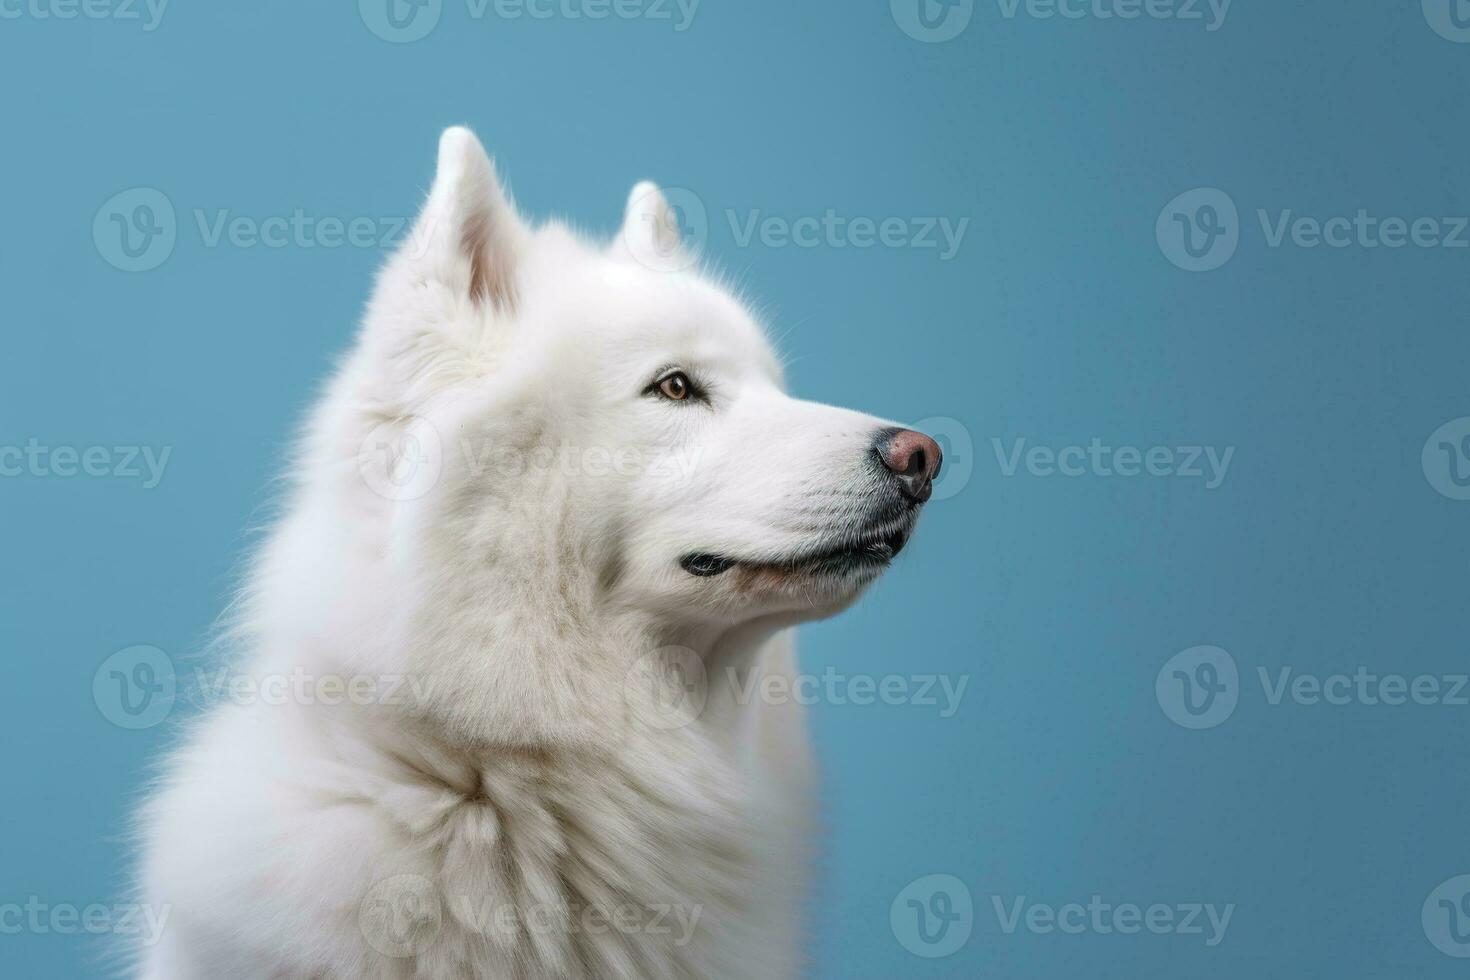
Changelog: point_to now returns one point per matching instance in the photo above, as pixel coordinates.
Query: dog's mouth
(868, 551)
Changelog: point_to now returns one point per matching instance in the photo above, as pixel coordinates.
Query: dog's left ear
(469, 237)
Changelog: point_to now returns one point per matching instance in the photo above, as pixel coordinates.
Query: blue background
(1060, 320)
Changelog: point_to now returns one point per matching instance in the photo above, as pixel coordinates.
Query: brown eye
(675, 387)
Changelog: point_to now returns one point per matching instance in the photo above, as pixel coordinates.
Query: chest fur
(568, 866)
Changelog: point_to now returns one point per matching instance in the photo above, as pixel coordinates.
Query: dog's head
(540, 420)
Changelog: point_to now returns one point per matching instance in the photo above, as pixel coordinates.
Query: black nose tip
(913, 458)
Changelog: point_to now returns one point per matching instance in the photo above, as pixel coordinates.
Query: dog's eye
(676, 387)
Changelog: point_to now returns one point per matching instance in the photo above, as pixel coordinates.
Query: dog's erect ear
(651, 232)
(469, 236)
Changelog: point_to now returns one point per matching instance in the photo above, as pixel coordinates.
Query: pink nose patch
(914, 458)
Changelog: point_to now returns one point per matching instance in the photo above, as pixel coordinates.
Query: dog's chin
(830, 571)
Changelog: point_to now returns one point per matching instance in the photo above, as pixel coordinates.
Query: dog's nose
(912, 457)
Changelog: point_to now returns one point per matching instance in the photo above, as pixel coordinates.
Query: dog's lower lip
(706, 565)
(876, 550)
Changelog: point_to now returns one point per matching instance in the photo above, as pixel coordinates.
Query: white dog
(550, 522)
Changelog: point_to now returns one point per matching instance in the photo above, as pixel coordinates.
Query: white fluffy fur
(525, 769)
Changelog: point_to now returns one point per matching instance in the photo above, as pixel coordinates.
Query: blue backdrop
(1195, 339)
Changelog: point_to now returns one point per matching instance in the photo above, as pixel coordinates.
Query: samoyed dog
(490, 712)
